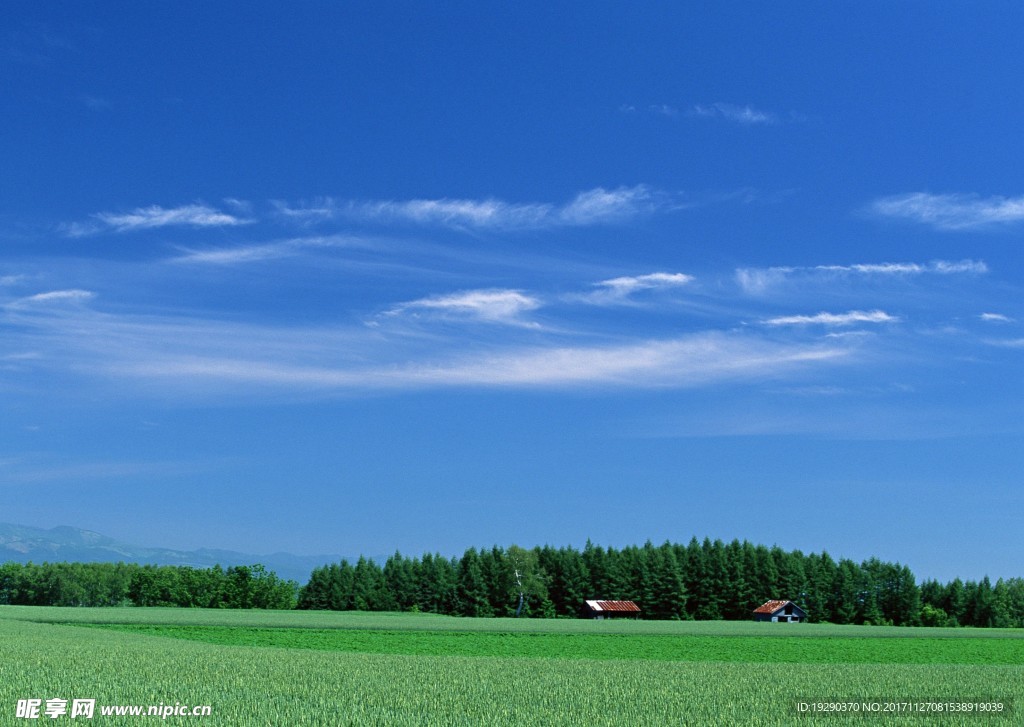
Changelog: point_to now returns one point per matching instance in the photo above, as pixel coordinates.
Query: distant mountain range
(22, 544)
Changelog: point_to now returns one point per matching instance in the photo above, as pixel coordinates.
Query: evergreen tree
(844, 598)
(472, 592)
(595, 562)
(668, 592)
(955, 602)
(820, 572)
(739, 598)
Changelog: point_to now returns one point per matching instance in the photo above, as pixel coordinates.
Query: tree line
(131, 584)
(700, 580)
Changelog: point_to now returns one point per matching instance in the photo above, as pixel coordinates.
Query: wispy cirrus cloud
(1006, 342)
(154, 216)
(318, 209)
(742, 114)
(745, 115)
(689, 361)
(590, 207)
(756, 281)
(938, 267)
(951, 211)
(452, 212)
(272, 250)
(995, 318)
(619, 290)
(180, 355)
(834, 319)
(598, 206)
(491, 306)
(53, 297)
(685, 362)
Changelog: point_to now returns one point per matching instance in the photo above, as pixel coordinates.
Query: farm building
(610, 609)
(780, 612)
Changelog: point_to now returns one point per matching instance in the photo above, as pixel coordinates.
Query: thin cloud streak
(744, 115)
(154, 216)
(757, 281)
(834, 319)
(591, 207)
(996, 317)
(1006, 342)
(618, 291)
(951, 211)
(268, 251)
(210, 358)
(51, 297)
(491, 306)
(693, 361)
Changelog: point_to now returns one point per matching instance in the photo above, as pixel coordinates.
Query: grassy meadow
(327, 668)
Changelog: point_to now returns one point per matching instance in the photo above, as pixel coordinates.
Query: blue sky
(331, 278)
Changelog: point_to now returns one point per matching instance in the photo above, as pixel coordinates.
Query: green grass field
(321, 668)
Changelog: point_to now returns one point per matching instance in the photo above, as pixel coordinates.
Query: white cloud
(446, 212)
(757, 281)
(235, 255)
(746, 115)
(239, 205)
(492, 306)
(266, 251)
(875, 268)
(618, 290)
(834, 319)
(691, 361)
(963, 266)
(940, 267)
(685, 362)
(1006, 342)
(995, 317)
(142, 218)
(650, 280)
(602, 205)
(591, 207)
(320, 209)
(951, 211)
(190, 356)
(457, 212)
(54, 296)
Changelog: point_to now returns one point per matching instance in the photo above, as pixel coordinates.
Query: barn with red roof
(780, 612)
(610, 609)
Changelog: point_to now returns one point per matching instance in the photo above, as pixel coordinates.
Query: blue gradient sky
(328, 278)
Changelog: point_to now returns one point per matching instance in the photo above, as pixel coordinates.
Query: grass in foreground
(750, 649)
(301, 686)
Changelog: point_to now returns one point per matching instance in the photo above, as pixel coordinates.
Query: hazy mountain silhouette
(22, 544)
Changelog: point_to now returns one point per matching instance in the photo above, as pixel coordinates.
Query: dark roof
(614, 606)
(772, 606)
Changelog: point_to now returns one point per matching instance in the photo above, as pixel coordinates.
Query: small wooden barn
(780, 612)
(610, 609)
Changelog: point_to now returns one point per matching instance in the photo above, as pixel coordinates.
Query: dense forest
(699, 580)
(130, 584)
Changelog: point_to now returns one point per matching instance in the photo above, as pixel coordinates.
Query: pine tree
(472, 592)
